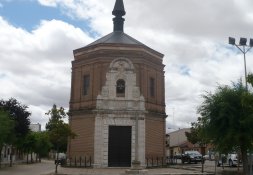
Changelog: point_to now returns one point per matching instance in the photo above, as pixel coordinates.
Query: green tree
(20, 115)
(58, 131)
(197, 135)
(227, 119)
(28, 145)
(6, 130)
(37, 142)
(42, 145)
(250, 79)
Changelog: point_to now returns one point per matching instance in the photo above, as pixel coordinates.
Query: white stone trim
(119, 111)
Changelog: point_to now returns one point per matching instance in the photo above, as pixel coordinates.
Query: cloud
(36, 67)
(49, 3)
(187, 18)
(96, 12)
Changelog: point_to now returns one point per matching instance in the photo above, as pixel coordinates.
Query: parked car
(191, 156)
(61, 158)
(230, 159)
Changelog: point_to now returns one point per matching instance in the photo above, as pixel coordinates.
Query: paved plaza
(45, 167)
(48, 167)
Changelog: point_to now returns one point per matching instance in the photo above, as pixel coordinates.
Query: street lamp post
(244, 48)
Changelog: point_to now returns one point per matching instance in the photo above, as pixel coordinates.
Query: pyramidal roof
(117, 36)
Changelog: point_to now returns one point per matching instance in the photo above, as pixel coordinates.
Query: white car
(230, 159)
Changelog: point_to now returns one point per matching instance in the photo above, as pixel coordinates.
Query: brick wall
(83, 143)
(96, 63)
(155, 137)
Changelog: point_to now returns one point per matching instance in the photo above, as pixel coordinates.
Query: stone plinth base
(133, 172)
(136, 169)
(136, 165)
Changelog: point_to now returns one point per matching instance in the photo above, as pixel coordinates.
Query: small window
(120, 89)
(86, 84)
(152, 87)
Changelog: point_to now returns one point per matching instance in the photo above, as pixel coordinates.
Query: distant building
(176, 139)
(35, 127)
(117, 104)
(177, 143)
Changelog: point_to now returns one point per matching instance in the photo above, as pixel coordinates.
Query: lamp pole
(244, 48)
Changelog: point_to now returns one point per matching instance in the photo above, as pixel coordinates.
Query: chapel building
(117, 103)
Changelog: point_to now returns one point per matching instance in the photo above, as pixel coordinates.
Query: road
(209, 166)
(45, 167)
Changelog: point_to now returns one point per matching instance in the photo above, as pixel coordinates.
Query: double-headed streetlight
(244, 48)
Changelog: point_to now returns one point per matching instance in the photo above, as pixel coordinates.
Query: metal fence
(153, 162)
(86, 162)
(81, 162)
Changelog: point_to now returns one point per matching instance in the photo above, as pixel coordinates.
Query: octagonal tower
(117, 103)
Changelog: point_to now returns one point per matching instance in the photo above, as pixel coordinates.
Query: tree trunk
(57, 162)
(11, 157)
(244, 161)
(31, 157)
(27, 154)
(1, 156)
(39, 158)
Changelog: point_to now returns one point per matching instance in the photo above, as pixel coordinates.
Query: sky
(37, 39)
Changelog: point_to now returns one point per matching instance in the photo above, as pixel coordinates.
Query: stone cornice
(118, 47)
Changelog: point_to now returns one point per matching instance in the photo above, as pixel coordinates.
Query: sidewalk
(209, 169)
(48, 168)
(45, 167)
(120, 171)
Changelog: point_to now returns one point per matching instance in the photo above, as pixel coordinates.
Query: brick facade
(155, 142)
(117, 81)
(95, 63)
(83, 144)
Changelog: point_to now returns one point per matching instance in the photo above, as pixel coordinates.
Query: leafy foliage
(58, 131)
(227, 119)
(250, 79)
(29, 142)
(197, 135)
(19, 114)
(42, 143)
(6, 128)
